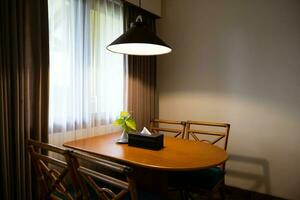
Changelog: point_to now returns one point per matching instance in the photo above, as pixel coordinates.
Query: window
(86, 80)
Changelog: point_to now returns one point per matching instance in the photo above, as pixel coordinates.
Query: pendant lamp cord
(139, 17)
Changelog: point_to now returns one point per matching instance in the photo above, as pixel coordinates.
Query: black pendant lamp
(139, 40)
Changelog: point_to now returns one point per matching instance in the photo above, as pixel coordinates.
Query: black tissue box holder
(155, 141)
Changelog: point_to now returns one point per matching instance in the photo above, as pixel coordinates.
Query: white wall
(238, 61)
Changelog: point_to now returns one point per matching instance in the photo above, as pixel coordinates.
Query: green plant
(126, 122)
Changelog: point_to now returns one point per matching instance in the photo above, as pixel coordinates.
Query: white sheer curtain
(86, 80)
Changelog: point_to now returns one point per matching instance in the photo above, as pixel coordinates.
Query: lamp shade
(139, 40)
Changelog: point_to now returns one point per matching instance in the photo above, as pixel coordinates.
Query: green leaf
(125, 128)
(131, 124)
(124, 114)
(118, 122)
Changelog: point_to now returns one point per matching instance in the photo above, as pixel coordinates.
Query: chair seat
(205, 179)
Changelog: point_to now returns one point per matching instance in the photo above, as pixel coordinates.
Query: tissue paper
(145, 131)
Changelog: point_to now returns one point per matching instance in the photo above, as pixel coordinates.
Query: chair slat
(166, 130)
(46, 146)
(101, 192)
(51, 160)
(208, 123)
(168, 121)
(205, 132)
(156, 126)
(218, 139)
(103, 177)
(105, 163)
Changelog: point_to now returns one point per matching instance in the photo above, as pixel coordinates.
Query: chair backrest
(52, 173)
(101, 181)
(207, 129)
(214, 132)
(168, 126)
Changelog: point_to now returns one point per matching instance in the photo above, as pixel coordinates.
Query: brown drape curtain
(24, 70)
(141, 74)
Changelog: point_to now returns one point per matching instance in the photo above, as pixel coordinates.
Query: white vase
(123, 138)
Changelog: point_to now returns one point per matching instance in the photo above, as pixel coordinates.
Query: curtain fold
(141, 74)
(24, 67)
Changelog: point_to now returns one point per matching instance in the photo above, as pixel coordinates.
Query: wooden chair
(212, 179)
(98, 184)
(52, 173)
(168, 126)
(193, 129)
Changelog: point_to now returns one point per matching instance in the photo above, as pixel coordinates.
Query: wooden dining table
(152, 166)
